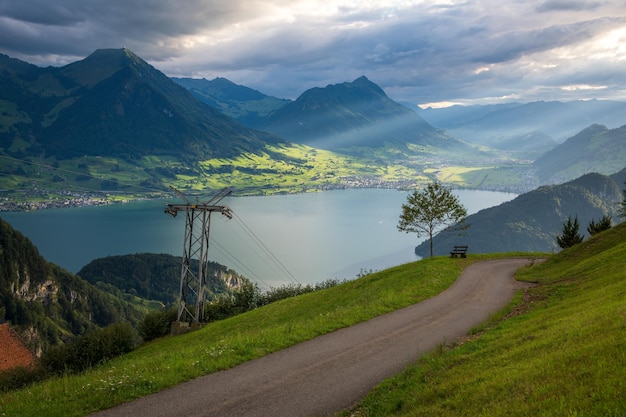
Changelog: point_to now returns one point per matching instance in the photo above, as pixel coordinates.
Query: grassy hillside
(224, 344)
(564, 356)
(278, 169)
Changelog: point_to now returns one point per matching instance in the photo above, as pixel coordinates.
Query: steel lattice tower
(196, 247)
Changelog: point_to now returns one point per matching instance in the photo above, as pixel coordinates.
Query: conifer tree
(570, 235)
(603, 224)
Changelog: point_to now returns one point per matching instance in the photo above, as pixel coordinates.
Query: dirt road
(334, 371)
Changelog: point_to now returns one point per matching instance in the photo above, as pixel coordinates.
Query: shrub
(90, 350)
(20, 377)
(157, 324)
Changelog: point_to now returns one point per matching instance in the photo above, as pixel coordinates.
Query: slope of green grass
(220, 345)
(565, 356)
(279, 169)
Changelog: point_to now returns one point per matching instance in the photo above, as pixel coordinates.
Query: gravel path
(334, 371)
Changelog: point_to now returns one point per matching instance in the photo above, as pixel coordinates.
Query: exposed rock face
(26, 290)
(46, 305)
(232, 281)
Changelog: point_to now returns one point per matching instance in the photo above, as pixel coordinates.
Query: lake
(273, 240)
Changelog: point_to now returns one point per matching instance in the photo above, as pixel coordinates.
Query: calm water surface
(272, 240)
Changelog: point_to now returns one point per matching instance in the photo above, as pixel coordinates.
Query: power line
(264, 247)
(254, 237)
(227, 254)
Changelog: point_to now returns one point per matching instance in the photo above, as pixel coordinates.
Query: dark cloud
(465, 50)
(567, 5)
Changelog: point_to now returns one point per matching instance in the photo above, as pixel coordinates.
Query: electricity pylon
(196, 246)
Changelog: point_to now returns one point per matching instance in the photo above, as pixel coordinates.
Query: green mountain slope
(155, 276)
(249, 107)
(595, 149)
(356, 114)
(46, 304)
(112, 127)
(560, 351)
(113, 103)
(531, 221)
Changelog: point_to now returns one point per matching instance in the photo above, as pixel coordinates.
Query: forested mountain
(595, 149)
(112, 103)
(249, 107)
(46, 304)
(155, 276)
(531, 221)
(355, 114)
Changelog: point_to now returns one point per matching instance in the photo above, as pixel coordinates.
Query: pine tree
(605, 223)
(570, 235)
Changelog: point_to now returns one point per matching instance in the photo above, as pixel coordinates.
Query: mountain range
(516, 126)
(594, 149)
(337, 117)
(246, 105)
(113, 123)
(112, 104)
(353, 114)
(565, 140)
(531, 221)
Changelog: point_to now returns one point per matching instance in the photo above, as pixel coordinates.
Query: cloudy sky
(418, 51)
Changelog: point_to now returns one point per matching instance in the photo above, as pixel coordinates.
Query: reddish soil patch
(13, 352)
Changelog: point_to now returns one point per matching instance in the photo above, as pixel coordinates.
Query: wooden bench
(459, 251)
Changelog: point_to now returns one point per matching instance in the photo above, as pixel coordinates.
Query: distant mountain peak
(120, 55)
(113, 103)
(364, 82)
(357, 113)
(102, 64)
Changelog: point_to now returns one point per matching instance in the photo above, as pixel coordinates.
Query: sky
(430, 53)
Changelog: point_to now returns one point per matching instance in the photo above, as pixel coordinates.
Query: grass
(564, 356)
(506, 176)
(560, 351)
(224, 344)
(281, 169)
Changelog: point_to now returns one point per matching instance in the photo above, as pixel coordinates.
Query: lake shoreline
(316, 236)
(74, 200)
